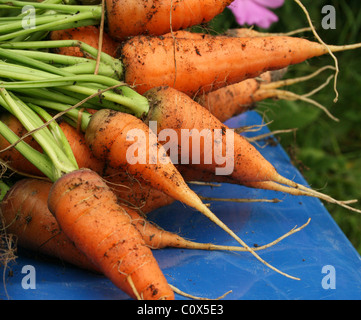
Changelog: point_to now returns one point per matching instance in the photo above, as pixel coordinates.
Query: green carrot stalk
(56, 131)
(53, 162)
(4, 188)
(116, 64)
(76, 79)
(37, 158)
(62, 17)
(59, 162)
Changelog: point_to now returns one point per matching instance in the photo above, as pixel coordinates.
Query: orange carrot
(81, 151)
(187, 64)
(26, 215)
(226, 102)
(248, 32)
(249, 166)
(237, 98)
(88, 35)
(188, 115)
(108, 136)
(88, 213)
(13, 158)
(130, 18)
(132, 192)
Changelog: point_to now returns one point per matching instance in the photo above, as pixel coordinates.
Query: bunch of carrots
(77, 91)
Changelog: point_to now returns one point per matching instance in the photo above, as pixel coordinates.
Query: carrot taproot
(132, 192)
(245, 163)
(249, 32)
(237, 98)
(130, 18)
(88, 213)
(9, 155)
(189, 115)
(26, 215)
(88, 35)
(231, 100)
(158, 238)
(187, 64)
(81, 151)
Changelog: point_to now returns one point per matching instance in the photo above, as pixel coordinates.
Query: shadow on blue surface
(320, 254)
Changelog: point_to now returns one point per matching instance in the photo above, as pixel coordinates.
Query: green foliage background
(328, 153)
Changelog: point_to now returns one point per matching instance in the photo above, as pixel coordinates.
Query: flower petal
(269, 3)
(251, 13)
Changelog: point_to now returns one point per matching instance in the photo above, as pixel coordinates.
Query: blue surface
(210, 274)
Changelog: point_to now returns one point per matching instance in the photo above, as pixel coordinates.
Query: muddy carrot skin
(188, 64)
(11, 156)
(108, 138)
(89, 215)
(128, 18)
(249, 164)
(234, 99)
(26, 215)
(131, 191)
(88, 35)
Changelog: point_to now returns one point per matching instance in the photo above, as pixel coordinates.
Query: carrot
(10, 156)
(130, 18)
(189, 115)
(131, 192)
(248, 32)
(232, 100)
(109, 136)
(187, 64)
(88, 35)
(81, 151)
(237, 98)
(26, 215)
(245, 164)
(87, 211)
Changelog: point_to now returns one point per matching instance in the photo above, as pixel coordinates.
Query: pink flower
(255, 12)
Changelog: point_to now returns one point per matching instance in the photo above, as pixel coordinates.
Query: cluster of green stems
(37, 86)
